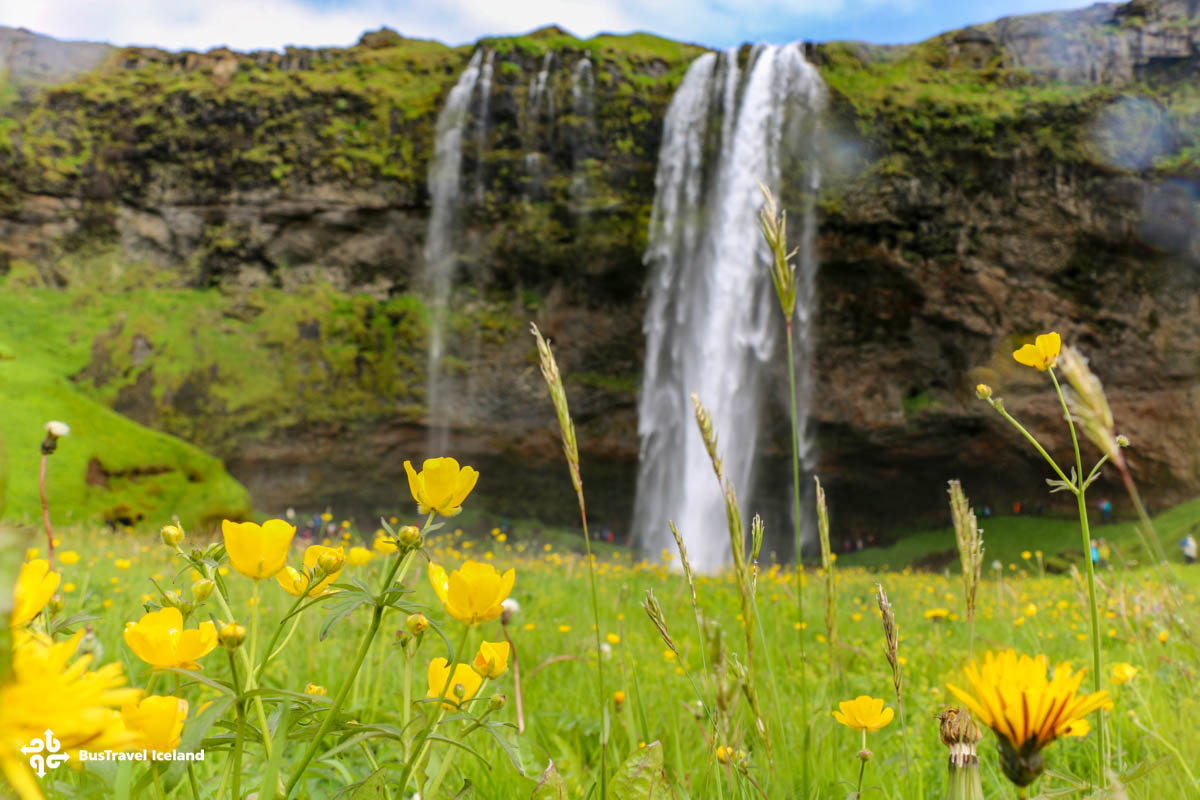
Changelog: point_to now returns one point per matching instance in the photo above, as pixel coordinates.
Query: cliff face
(266, 214)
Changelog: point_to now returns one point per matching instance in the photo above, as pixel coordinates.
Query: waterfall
(537, 89)
(712, 320)
(485, 98)
(582, 133)
(445, 192)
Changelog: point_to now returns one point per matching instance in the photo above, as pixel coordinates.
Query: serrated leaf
(642, 776)
(373, 787)
(551, 786)
(339, 612)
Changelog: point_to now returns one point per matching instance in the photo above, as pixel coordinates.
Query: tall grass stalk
(558, 396)
(773, 225)
(742, 567)
(970, 552)
(827, 566)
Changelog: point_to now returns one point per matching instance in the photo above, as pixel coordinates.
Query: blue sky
(271, 24)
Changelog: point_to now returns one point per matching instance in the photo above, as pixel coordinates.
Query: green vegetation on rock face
(109, 466)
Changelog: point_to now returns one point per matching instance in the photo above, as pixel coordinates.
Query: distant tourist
(1188, 546)
(987, 511)
(1105, 552)
(1095, 552)
(1106, 509)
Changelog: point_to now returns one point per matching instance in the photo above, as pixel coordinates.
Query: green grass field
(555, 647)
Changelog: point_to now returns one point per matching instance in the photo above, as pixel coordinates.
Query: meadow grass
(555, 643)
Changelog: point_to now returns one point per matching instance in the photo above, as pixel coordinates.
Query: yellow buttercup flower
(1123, 673)
(156, 721)
(936, 614)
(462, 686)
(1042, 354)
(160, 639)
(296, 583)
(384, 544)
(864, 713)
(35, 586)
(315, 688)
(491, 661)
(258, 551)
(48, 688)
(1014, 696)
(358, 556)
(68, 557)
(441, 485)
(472, 593)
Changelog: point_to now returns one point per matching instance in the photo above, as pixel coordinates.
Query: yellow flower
(1163, 636)
(461, 687)
(358, 556)
(613, 638)
(1025, 554)
(564, 628)
(1014, 697)
(417, 623)
(1042, 354)
(864, 713)
(1030, 610)
(1123, 673)
(68, 557)
(296, 583)
(160, 639)
(156, 721)
(48, 688)
(472, 593)
(35, 586)
(441, 485)
(936, 614)
(1079, 728)
(491, 661)
(384, 545)
(258, 551)
(317, 689)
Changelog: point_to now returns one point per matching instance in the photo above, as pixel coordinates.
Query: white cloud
(272, 24)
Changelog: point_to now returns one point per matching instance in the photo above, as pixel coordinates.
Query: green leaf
(509, 747)
(642, 776)
(373, 787)
(340, 611)
(551, 786)
(272, 783)
(65, 625)
(220, 686)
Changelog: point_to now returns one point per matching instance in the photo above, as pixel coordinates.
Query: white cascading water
(445, 192)
(712, 320)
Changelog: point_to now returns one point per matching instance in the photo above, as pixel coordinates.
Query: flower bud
(417, 624)
(1122, 440)
(231, 635)
(510, 607)
(409, 537)
(331, 561)
(460, 692)
(171, 535)
(197, 554)
(618, 699)
(984, 391)
(56, 604)
(403, 638)
(315, 688)
(202, 588)
(54, 431)
(723, 754)
(496, 702)
(864, 755)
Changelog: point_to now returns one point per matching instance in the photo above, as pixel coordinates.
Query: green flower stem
(223, 602)
(1080, 496)
(422, 742)
(799, 559)
(1037, 445)
(402, 558)
(406, 709)
(240, 708)
(444, 767)
(271, 650)
(862, 767)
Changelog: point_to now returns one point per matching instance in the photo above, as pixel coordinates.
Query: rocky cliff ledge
(266, 213)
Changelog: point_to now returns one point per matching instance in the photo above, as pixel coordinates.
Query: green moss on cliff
(109, 467)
